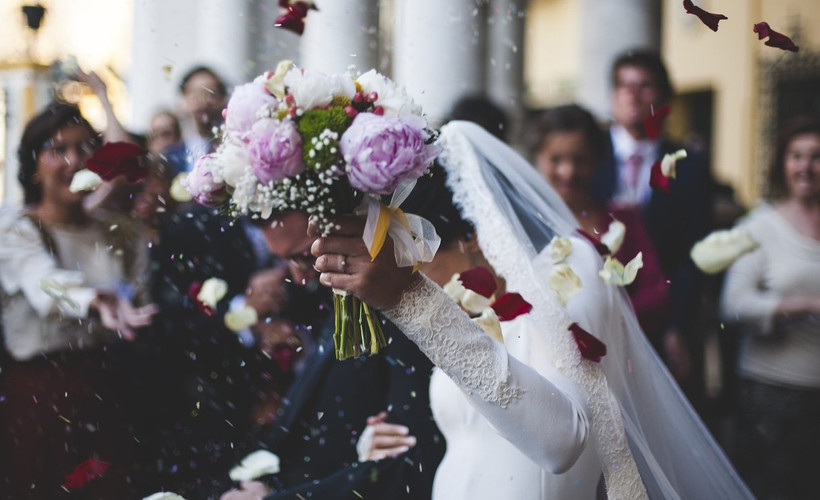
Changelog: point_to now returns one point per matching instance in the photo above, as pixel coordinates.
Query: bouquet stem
(358, 327)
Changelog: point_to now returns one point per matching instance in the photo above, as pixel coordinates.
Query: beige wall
(552, 52)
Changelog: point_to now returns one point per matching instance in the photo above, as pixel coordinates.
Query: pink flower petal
(653, 124)
(510, 305)
(657, 180)
(480, 280)
(591, 348)
(709, 19)
(777, 40)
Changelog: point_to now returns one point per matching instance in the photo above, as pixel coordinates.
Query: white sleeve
(26, 266)
(744, 300)
(545, 418)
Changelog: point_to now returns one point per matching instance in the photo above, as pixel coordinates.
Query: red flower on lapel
(294, 19)
(114, 159)
(193, 292)
(709, 19)
(653, 124)
(591, 348)
(777, 40)
(602, 249)
(656, 178)
(84, 473)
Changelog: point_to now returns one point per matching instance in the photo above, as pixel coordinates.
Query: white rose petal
(257, 464)
(276, 83)
(615, 273)
(84, 180)
(240, 319)
(717, 251)
(212, 291)
(454, 289)
(614, 236)
(560, 248)
(178, 190)
(670, 161)
(474, 303)
(490, 324)
(163, 495)
(564, 282)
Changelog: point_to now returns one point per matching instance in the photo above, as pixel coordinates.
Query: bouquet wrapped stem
(358, 327)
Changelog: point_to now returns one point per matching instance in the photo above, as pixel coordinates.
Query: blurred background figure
(772, 297)
(164, 132)
(69, 288)
(483, 111)
(567, 146)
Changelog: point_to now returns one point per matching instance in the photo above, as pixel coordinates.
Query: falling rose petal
(164, 495)
(601, 248)
(489, 322)
(471, 301)
(670, 161)
(615, 273)
(614, 236)
(240, 319)
(85, 180)
(84, 473)
(656, 178)
(166, 71)
(193, 292)
(653, 124)
(480, 280)
(115, 159)
(591, 348)
(212, 291)
(510, 305)
(257, 464)
(178, 190)
(776, 40)
(294, 19)
(564, 282)
(709, 19)
(720, 249)
(560, 247)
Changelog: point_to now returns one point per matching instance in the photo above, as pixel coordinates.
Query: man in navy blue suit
(675, 219)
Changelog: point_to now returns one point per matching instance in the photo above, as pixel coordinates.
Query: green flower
(320, 130)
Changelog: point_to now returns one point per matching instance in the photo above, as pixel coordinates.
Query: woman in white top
(531, 418)
(773, 296)
(65, 287)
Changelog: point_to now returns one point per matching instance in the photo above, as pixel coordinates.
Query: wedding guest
(641, 88)
(567, 146)
(164, 132)
(516, 414)
(483, 111)
(772, 296)
(68, 284)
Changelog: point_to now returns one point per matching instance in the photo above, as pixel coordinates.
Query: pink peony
(244, 107)
(382, 152)
(201, 185)
(275, 149)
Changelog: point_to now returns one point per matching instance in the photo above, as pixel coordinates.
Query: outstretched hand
(381, 439)
(344, 263)
(119, 315)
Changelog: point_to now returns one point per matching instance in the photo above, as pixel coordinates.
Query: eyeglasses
(59, 150)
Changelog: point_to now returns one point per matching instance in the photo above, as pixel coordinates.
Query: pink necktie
(632, 169)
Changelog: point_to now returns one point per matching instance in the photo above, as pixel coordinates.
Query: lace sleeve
(543, 416)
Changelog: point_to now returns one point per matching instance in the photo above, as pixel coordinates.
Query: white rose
(257, 464)
(490, 324)
(670, 161)
(564, 282)
(614, 236)
(717, 251)
(560, 248)
(312, 89)
(84, 180)
(212, 291)
(615, 273)
(391, 97)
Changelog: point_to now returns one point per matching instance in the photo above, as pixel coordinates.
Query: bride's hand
(344, 263)
(383, 440)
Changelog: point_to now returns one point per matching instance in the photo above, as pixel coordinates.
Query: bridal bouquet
(326, 145)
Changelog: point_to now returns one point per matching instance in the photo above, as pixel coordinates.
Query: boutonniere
(474, 290)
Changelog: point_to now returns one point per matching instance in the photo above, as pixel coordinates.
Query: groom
(326, 408)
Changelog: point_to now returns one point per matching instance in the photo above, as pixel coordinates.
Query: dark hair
(567, 118)
(433, 200)
(800, 125)
(481, 110)
(38, 131)
(650, 61)
(221, 89)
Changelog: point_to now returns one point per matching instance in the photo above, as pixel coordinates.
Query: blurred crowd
(108, 354)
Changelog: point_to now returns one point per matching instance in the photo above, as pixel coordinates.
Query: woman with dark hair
(68, 281)
(567, 146)
(773, 296)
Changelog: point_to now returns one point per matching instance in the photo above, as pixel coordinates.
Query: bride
(529, 417)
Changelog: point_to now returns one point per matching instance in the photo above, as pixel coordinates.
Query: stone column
(438, 52)
(609, 28)
(223, 37)
(340, 34)
(505, 56)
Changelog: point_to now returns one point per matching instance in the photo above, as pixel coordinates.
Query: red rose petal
(85, 472)
(653, 124)
(294, 19)
(602, 249)
(480, 280)
(193, 291)
(591, 348)
(657, 180)
(709, 19)
(510, 306)
(116, 159)
(777, 40)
